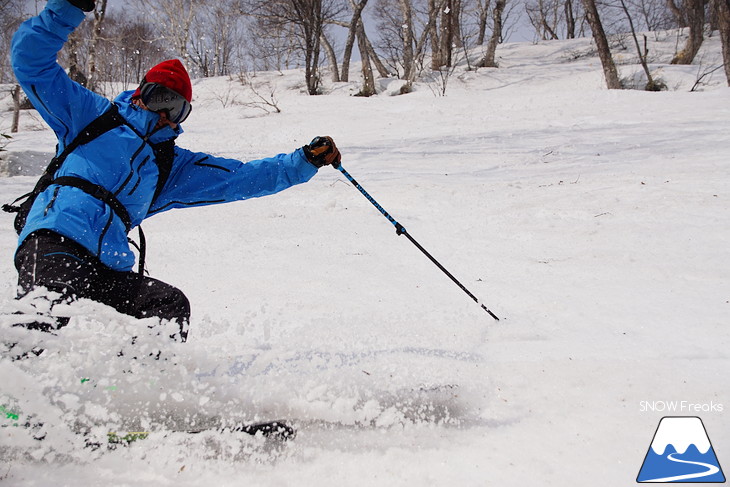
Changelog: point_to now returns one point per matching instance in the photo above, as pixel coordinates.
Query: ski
(277, 430)
(273, 430)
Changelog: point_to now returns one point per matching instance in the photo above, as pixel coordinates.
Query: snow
(681, 433)
(594, 223)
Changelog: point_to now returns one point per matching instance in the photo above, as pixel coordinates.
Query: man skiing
(112, 174)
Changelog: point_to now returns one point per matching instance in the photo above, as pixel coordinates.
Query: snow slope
(594, 223)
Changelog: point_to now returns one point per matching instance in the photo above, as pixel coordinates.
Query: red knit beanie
(170, 74)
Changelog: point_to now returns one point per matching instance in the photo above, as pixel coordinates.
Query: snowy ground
(595, 223)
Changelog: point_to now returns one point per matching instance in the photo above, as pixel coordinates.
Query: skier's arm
(201, 179)
(64, 104)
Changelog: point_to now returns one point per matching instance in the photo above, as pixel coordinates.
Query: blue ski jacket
(121, 160)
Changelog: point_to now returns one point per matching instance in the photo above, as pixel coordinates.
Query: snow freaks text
(682, 407)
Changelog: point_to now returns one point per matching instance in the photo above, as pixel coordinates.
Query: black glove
(85, 5)
(322, 151)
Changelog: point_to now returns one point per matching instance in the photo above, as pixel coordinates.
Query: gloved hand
(85, 5)
(322, 151)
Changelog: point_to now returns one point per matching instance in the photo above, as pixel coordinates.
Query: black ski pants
(47, 259)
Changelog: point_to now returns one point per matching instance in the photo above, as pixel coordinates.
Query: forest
(392, 38)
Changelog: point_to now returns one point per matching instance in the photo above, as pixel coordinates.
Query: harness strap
(103, 123)
(100, 193)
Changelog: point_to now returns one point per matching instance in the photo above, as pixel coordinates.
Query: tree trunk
(368, 87)
(74, 72)
(99, 15)
(331, 57)
(437, 53)
(650, 85)
(373, 56)
(604, 52)
(679, 14)
(16, 91)
(488, 61)
(696, 17)
(447, 33)
(483, 9)
(409, 61)
(311, 70)
(723, 10)
(450, 31)
(457, 36)
(421, 43)
(309, 13)
(357, 9)
(569, 19)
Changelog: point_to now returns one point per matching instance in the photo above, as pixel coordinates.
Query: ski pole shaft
(400, 230)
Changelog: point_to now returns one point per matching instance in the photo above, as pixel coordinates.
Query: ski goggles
(159, 98)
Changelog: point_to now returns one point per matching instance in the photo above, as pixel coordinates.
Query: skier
(111, 175)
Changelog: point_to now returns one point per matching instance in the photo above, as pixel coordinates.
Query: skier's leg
(141, 296)
(48, 260)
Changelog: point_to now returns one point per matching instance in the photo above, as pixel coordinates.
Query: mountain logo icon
(681, 452)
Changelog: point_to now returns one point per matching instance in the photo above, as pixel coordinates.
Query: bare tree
(482, 14)
(447, 35)
(695, 12)
(329, 51)
(680, 14)
(72, 48)
(406, 33)
(177, 17)
(651, 85)
(99, 16)
(553, 19)
(132, 46)
(544, 15)
(723, 10)
(353, 27)
(307, 19)
(368, 87)
(271, 45)
(263, 94)
(409, 55)
(16, 93)
(436, 33)
(308, 16)
(11, 14)
(489, 58)
(128, 46)
(655, 14)
(215, 31)
(420, 45)
(373, 56)
(604, 52)
(570, 18)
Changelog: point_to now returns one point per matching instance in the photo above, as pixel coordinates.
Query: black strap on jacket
(100, 125)
(100, 193)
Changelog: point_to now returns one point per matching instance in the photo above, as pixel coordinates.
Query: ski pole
(400, 230)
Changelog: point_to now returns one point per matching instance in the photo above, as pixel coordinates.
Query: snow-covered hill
(594, 223)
